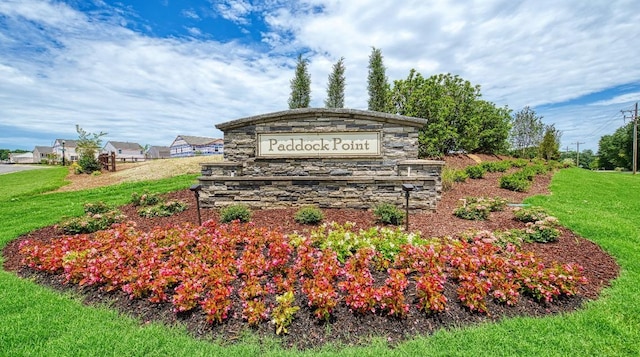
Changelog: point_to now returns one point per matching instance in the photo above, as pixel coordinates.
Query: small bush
(235, 213)
(89, 164)
(515, 182)
(530, 214)
(475, 171)
(495, 204)
(389, 214)
(543, 231)
(473, 211)
(92, 222)
(144, 199)
(447, 178)
(163, 209)
(309, 215)
(97, 207)
(460, 176)
(519, 163)
(496, 166)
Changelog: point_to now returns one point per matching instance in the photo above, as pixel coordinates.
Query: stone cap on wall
(323, 113)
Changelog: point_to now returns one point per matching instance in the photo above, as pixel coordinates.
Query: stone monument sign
(331, 158)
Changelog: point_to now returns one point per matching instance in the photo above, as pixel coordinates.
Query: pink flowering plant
(261, 276)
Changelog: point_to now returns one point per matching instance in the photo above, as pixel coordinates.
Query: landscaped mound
(224, 270)
(337, 284)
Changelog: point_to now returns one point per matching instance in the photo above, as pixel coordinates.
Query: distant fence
(108, 161)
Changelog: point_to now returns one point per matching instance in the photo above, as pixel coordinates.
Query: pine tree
(378, 86)
(300, 86)
(335, 87)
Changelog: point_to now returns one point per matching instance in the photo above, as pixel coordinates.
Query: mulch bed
(345, 327)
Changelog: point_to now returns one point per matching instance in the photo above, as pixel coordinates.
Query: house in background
(158, 152)
(184, 146)
(69, 148)
(124, 151)
(22, 158)
(43, 154)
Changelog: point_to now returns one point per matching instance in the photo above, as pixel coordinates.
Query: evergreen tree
(377, 82)
(300, 86)
(87, 147)
(549, 148)
(335, 87)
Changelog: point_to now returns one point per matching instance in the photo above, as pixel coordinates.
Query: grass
(602, 207)
(30, 182)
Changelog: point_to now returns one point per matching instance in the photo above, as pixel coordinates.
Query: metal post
(406, 216)
(407, 188)
(196, 190)
(63, 163)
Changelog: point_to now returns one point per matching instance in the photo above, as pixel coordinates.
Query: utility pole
(635, 136)
(577, 153)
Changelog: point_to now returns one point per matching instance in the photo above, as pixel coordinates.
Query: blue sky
(149, 70)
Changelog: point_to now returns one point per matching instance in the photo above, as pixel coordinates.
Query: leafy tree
(549, 148)
(335, 88)
(454, 112)
(527, 131)
(494, 126)
(87, 147)
(616, 150)
(4, 154)
(377, 82)
(300, 86)
(587, 158)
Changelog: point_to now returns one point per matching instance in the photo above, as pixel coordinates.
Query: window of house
(119, 151)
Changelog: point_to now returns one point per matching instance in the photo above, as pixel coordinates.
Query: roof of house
(68, 143)
(198, 140)
(43, 149)
(124, 145)
(159, 148)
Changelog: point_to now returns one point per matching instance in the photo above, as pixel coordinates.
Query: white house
(43, 154)
(124, 151)
(185, 145)
(158, 152)
(66, 148)
(23, 158)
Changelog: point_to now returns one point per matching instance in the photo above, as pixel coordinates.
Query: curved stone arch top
(337, 113)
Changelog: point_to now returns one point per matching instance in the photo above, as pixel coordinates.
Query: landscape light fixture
(407, 188)
(196, 190)
(63, 153)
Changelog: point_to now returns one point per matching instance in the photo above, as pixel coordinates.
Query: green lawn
(603, 207)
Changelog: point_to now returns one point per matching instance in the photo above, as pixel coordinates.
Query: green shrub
(495, 204)
(475, 171)
(447, 178)
(144, 199)
(344, 240)
(89, 164)
(496, 166)
(515, 182)
(460, 176)
(91, 222)
(530, 214)
(473, 211)
(309, 215)
(163, 209)
(543, 231)
(97, 207)
(389, 214)
(236, 212)
(519, 163)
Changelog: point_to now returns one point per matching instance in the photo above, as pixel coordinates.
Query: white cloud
(59, 67)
